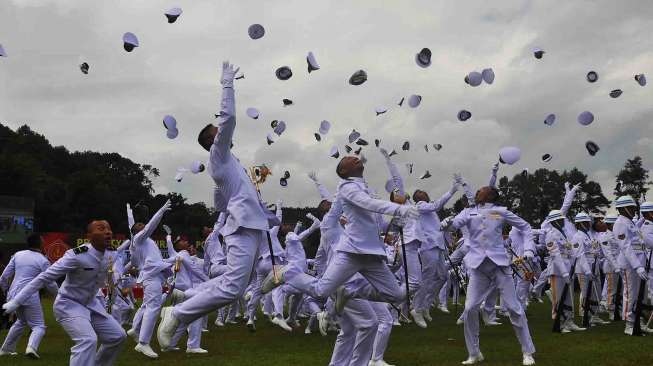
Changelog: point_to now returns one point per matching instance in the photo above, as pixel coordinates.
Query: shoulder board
(473, 214)
(604, 242)
(80, 250)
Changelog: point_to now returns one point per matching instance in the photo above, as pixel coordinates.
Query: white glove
(444, 224)
(641, 272)
(166, 228)
(458, 178)
(529, 254)
(311, 217)
(10, 307)
(312, 176)
(410, 214)
(169, 238)
(228, 74)
(575, 187)
(567, 187)
(166, 206)
(279, 203)
(384, 152)
(495, 168)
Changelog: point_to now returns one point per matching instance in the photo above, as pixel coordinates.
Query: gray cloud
(120, 104)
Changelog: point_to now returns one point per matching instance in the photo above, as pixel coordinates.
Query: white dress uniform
(633, 245)
(24, 266)
(146, 255)
(487, 261)
(77, 308)
(244, 229)
(611, 268)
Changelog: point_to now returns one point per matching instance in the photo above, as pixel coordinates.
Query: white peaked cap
(509, 154)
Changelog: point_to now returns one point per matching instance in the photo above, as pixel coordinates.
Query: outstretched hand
(228, 74)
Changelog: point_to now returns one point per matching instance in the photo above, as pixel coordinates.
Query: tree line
(69, 188)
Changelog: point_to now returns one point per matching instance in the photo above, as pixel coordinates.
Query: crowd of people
(380, 261)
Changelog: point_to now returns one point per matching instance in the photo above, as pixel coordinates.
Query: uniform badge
(80, 250)
(576, 246)
(495, 215)
(622, 237)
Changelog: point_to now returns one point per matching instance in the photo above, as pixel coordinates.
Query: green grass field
(441, 344)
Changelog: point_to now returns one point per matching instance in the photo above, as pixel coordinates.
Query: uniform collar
(94, 252)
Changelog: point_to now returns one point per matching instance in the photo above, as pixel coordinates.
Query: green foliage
(632, 179)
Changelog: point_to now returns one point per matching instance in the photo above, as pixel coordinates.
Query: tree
(632, 179)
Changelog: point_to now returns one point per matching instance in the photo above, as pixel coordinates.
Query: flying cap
(353, 136)
(426, 148)
(488, 75)
(324, 127)
(592, 147)
(414, 100)
(334, 153)
(592, 76)
(270, 138)
(509, 155)
(423, 58)
(2, 52)
(437, 147)
(616, 93)
(474, 78)
(401, 102)
(547, 158)
(358, 78)
(554, 215)
(169, 122)
(129, 41)
(624, 201)
(312, 62)
(646, 207)
(582, 217)
(358, 151)
(274, 123)
(538, 52)
(393, 152)
(361, 142)
(318, 137)
(281, 126)
(585, 118)
(256, 31)
(197, 167)
(405, 146)
(550, 119)
(380, 110)
(409, 166)
(426, 175)
(172, 133)
(286, 102)
(252, 113)
(173, 14)
(464, 115)
(377, 142)
(84, 68)
(283, 73)
(179, 176)
(347, 149)
(283, 182)
(641, 79)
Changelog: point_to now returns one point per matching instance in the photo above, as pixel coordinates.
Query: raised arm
(321, 189)
(148, 230)
(171, 248)
(467, 191)
(493, 175)
(227, 116)
(442, 201)
(569, 197)
(311, 229)
(394, 172)
(279, 211)
(122, 247)
(356, 196)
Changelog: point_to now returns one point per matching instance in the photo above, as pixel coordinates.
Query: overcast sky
(120, 104)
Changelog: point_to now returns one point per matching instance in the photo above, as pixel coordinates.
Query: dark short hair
(201, 138)
(415, 194)
(495, 194)
(34, 240)
(338, 168)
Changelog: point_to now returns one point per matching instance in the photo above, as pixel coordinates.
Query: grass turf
(441, 344)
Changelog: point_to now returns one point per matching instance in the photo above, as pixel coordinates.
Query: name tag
(89, 269)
